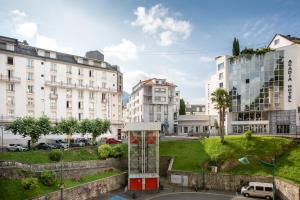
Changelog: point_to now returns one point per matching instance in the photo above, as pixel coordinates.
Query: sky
(173, 39)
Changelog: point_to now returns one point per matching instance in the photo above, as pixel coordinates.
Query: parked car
(257, 189)
(44, 146)
(58, 143)
(76, 143)
(113, 141)
(87, 142)
(16, 147)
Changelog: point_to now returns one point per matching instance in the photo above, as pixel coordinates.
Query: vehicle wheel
(246, 195)
(268, 197)
(18, 150)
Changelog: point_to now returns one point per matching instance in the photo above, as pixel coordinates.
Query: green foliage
(67, 126)
(48, 178)
(29, 183)
(248, 134)
(86, 126)
(55, 155)
(31, 127)
(247, 51)
(117, 150)
(235, 47)
(182, 107)
(104, 151)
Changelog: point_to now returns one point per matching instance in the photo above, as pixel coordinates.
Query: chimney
(96, 55)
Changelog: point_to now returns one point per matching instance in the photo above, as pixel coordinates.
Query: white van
(257, 189)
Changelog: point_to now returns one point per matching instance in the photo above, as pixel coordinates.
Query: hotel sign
(290, 70)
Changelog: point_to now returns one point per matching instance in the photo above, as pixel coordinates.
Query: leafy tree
(68, 127)
(97, 128)
(222, 101)
(86, 126)
(106, 126)
(30, 127)
(235, 47)
(181, 107)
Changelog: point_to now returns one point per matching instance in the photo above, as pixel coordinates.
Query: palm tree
(222, 101)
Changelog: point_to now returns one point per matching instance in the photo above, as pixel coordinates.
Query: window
(69, 70)
(69, 93)
(30, 88)
(158, 117)
(10, 87)
(10, 47)
(276, 41)
(220, 66)
(53, 78)
(69, 81)
(29, 101)
(80, 82)
(259, 188)
(158, 108)
(11, 112)
(10, 101)
(91, 74)
(29, 63)
(79, 72)
(91, 83)
(220, 76)
(80, 116)
(80, 105)
(10, 73)
(53, 90)
(251, 188)
(91, 95)
(47, 54)
(221, 85)
(29, 76)
(10, 60)
(103, 85)
(80, 94)
(69, 104)
(53, 103)
(53, 67)
(269, 189)
(247, 80)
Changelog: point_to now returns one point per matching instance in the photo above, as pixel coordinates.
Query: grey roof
(20, 48)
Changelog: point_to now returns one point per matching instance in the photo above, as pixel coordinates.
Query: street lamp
(245, 161)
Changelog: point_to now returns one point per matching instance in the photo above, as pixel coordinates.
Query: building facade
(153, 100)
(265, 90)
(36, 82)
(195, 109)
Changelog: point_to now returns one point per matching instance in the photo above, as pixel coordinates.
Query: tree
(106, 126)
(235, 47)
(216, 125)
(182, 107)
(97, 128)
(68, 127)
(222, 101)
(86, 126)
(25, 42)
(31, 127)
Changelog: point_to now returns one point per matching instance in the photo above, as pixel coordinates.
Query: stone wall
(287, 191)
(12, 169)
(89, 190)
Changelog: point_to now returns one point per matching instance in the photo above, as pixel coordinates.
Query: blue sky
(172, 39)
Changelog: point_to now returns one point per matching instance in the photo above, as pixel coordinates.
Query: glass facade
(256, 87)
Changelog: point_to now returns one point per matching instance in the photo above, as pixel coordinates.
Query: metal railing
(9, 78)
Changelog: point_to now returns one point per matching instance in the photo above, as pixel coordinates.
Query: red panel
(151, 184)
(135, 184)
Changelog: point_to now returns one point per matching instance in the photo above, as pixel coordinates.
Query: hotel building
(265, 89)
(36, 82)
(153, 100)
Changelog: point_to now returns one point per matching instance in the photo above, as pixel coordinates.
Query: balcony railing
(10, 78)
(53, 96)
(79, 86)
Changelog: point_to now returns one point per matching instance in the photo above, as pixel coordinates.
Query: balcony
(12, 79)
(53, 96)
(79, 86)
(7, 118)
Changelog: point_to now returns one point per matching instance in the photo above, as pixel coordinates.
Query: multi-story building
(36, 82)
(153, 100)
(194, 109)
(264, 89)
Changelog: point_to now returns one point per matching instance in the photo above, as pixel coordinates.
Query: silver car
(16, 147)
(257, 189)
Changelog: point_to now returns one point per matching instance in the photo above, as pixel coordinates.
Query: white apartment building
(265, 89)
(195, 109)
(154, 100)
(36, 82)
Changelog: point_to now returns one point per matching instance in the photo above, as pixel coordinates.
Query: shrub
(248, 134)
(48, 178)
(29, 183)
(55, 155)
(104, 151)
(117, 150)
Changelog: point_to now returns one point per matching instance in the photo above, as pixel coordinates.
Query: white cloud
(50, 43)
(18, 14)
(156, 20)
(27, 29)
(126, 50)
(206, 59)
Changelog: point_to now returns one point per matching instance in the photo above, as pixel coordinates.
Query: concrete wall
(89, 190)
(12, 169)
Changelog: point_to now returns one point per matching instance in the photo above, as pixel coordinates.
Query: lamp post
(245, 161)
(61, 175)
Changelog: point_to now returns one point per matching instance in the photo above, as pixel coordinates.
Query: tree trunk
(223, 126)
(220, 127)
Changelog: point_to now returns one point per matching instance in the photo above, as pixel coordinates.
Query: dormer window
(276, 41)
(47, 54)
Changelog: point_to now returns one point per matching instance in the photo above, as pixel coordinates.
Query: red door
(151, 184)
(135, 184)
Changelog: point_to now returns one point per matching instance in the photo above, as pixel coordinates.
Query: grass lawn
(191, 154)
(40, 156)
(13, 190)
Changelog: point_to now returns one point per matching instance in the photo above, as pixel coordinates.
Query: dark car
(44, 146)
(76, 143)
(113, 141)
